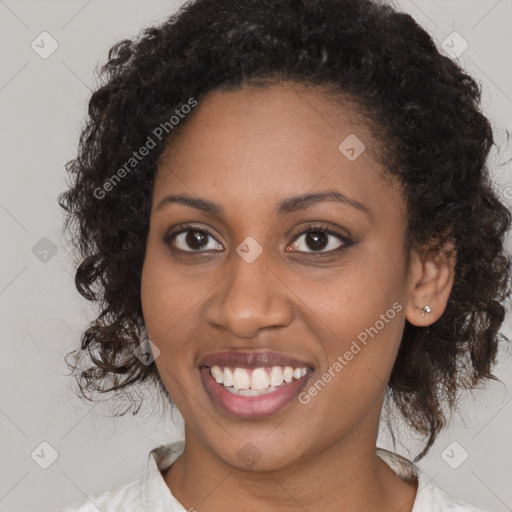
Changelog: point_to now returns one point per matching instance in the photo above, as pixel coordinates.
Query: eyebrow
(284, 207)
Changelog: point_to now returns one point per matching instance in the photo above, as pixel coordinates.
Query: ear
(430, 281)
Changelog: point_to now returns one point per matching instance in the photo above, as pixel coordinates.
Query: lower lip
(252, 407)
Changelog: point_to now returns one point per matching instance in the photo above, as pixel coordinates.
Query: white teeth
(288, 374)
(217, 374)
(276, 376)
(254, 392)
(241, 379)
(259, 379)
(250, 392)
(255, 382)
(227, 377)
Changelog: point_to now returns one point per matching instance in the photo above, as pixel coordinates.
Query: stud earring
(426, 309)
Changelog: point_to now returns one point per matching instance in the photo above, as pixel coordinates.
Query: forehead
(253, 145)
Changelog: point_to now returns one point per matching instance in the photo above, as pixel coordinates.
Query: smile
(257, 382)
(253, 385)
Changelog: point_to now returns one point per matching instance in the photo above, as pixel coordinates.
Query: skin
(247, 150)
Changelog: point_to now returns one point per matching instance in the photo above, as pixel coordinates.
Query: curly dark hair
(423, 109)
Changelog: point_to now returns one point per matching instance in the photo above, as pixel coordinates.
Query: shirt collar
(157, 497)
(155, 494)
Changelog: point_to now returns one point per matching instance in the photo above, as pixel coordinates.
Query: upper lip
(252, 359)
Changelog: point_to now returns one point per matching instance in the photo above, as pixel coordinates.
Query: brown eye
(319, 239)
(193, 240)
(196, 239)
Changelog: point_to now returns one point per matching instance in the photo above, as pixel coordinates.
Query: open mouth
(254, 384)
(257, 381)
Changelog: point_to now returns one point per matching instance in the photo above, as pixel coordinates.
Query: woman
(284, 211)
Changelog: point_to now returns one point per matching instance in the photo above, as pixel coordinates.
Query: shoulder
(147, 491)
(125, 496)
(429, 497)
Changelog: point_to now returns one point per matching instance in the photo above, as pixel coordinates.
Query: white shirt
(149, 492)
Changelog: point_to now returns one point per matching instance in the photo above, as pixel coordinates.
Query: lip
(252, 359)
(252, 407)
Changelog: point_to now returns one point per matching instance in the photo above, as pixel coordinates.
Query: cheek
(352, 297)
(168, 295)
(167, 306)
(358, 315)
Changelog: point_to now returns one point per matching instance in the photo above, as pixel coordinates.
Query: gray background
(42, 103)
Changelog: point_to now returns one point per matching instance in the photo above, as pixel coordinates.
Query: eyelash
(346, 242)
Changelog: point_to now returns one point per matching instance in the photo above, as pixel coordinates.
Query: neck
(346, 472)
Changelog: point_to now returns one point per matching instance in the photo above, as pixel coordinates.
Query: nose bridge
(250, 297)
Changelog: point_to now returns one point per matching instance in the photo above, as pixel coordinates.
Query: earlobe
(431, 276)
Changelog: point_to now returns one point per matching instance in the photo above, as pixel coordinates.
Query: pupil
(195, 239)
(318, 243)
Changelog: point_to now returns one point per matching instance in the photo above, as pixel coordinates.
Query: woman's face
(236, 308)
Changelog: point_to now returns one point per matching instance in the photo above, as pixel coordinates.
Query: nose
(250, 298)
